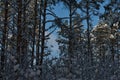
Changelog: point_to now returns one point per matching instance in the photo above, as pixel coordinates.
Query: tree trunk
(19, 30)
(88, 27)
(19, 36)
(70, 44)
(34, 32)
(43, 35)
(89, 53)
(4, 39)
(38, 43)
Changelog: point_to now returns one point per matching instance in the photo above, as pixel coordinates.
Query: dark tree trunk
(4, 39)
(70, 44)
(19, 31)
(38, 43)
(34, 32)
(89, 53)
(19, 35)
(43, 35)
(88, 27)
(70, 31)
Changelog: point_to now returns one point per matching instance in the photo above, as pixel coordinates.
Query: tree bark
(70, 44)
(4, 40)
(38, 43)
(19, 35)
(34, 32)
(19, 30)
(43, 35)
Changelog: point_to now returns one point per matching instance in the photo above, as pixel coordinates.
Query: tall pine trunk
(89, 53)
(39, 33)
(88, 28)
(4, 39)
(70, 43)
(34, 32)
(43, 36)
(19, 30)
(19, 36)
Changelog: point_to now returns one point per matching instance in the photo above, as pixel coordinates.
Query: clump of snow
(62, 79)
(16, 67)
(12, 58)
(32, 74)
(112, 36)
(38, 72)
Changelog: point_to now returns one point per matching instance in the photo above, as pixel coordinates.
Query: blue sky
(61, 11)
